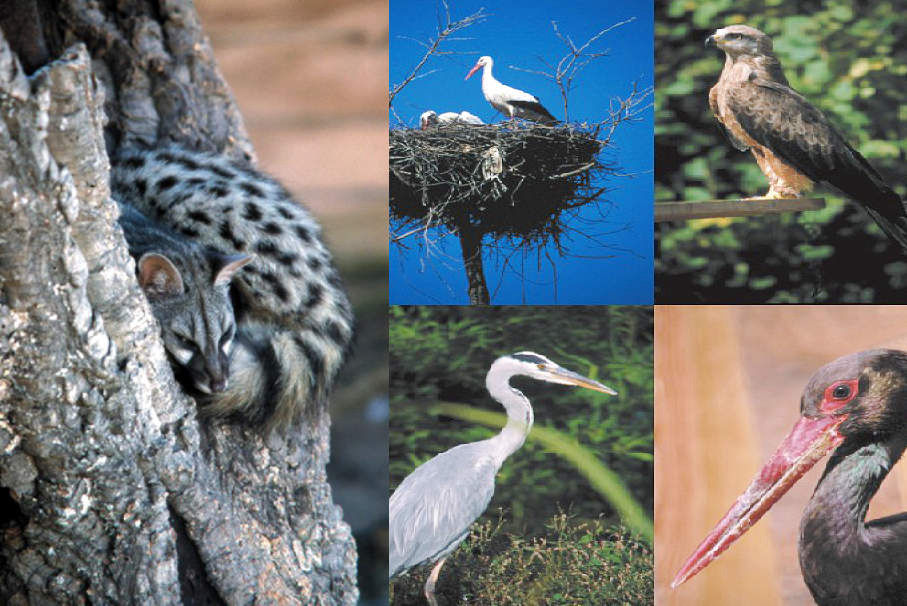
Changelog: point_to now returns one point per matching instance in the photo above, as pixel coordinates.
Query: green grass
(574, 562)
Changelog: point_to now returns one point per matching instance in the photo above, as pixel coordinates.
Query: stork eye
(841, 392)
(838, 395)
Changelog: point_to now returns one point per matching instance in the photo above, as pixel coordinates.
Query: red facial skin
(809, 441)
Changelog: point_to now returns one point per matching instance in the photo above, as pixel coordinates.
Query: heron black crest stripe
(529, 358)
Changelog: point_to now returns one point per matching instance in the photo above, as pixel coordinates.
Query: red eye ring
(839, 394)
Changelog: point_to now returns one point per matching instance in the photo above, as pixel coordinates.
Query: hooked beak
(807, 443)
(711, 41)
(474, 69)
(563, 376)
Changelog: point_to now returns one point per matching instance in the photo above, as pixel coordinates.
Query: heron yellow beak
(567, 377)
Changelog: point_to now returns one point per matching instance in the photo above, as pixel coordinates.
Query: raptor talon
(777, 195)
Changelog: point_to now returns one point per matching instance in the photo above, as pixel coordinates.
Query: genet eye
(185, 341)
(841, 392)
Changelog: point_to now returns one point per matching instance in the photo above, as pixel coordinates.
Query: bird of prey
(512, 102)
(794, 143)
(431, 118)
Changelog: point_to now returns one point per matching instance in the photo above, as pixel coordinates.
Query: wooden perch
(684, 211)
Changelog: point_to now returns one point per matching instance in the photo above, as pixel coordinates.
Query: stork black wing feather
(533, 110)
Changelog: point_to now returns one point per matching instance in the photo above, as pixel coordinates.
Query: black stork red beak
(825, 408)
(806, 444)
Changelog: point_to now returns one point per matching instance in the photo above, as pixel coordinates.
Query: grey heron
(432, 508)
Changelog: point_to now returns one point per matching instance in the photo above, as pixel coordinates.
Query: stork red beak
(807, 443)
(474, 69)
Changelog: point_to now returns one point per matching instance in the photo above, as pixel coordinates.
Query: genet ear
(230, 264)
(158, 276)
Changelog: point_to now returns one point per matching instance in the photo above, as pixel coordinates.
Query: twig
(579, 170)
(570, 65)
(432, 46)
(416, 230)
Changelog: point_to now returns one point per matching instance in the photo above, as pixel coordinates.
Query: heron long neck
(519, 412)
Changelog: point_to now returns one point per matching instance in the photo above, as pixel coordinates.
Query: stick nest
(509, 179)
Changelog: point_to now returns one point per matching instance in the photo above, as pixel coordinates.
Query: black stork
(856, 405)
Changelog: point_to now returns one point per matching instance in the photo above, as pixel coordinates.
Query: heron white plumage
(432, 508)
(511, 102)
(431, 118)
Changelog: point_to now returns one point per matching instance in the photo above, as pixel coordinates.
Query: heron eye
(841, 392)
(541, 366)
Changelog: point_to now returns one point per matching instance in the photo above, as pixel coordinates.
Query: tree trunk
(471, 246)
(111, 490)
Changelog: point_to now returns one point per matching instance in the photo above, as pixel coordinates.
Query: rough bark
(471, 247)
(112, 491)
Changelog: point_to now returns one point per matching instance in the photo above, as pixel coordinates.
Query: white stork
(431, 118)
(510, 101)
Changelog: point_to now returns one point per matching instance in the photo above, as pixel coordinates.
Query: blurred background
(848, 59)
(442, 354)
(610, 239)
(728, 384)
(310, 79)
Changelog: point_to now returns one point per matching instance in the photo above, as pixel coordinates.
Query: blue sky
(615, 267)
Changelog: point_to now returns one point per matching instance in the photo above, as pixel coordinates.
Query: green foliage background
(443, 353)
(849, 59)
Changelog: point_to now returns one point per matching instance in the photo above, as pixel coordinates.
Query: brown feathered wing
(781, 119)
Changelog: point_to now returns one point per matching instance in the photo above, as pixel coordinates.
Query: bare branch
(445, 30)
(565, 71)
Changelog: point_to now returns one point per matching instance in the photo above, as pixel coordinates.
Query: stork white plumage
(464, 117)
(431, 118)
(511, 102)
